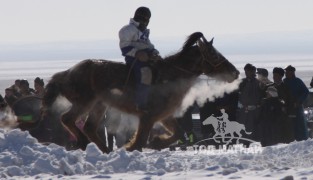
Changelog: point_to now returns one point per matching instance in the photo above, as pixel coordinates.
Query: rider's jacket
(132, 40)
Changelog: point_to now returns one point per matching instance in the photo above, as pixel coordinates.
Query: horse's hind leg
(141, 137)
(68, 121)
(94, 121)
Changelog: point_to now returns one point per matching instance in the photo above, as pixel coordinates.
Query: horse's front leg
(93, 122)
(68, 121)
(141, 136)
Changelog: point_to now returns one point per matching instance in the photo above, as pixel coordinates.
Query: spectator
(39, 87)
(249, 100)
(10, 97)
(286, 129)
(3, 103)
(16, 88)
(270, 114)
(263, 76)
(25, 90)
(299, 93)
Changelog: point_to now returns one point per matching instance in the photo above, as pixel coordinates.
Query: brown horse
(92, 85)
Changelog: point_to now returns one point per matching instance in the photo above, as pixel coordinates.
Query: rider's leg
(143, 75)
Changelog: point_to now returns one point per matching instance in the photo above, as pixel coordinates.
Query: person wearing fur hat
(299, 93)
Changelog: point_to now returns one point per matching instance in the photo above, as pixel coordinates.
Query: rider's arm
(127, 37)
(130, 42)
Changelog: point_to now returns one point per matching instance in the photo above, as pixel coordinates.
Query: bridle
(202, 44)
(205, 54)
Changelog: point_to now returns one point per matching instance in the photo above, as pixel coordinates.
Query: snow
(21, 156)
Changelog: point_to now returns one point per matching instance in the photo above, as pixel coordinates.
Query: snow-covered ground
(22, 157)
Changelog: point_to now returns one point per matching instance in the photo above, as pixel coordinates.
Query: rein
(129, 73)
(183, 70)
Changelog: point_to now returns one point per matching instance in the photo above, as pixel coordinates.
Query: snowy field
(22, 157)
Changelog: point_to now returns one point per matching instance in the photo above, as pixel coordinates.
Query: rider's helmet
(142, 12)
(142, 15)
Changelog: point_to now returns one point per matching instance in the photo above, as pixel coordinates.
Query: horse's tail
(53, 89)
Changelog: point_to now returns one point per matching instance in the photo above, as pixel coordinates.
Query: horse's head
(212, 63)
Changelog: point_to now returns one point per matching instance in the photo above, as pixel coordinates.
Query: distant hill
(295, 42)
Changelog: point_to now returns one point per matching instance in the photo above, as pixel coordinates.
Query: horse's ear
(211, 42)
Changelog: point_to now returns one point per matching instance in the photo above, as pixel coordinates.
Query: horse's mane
(192, 39)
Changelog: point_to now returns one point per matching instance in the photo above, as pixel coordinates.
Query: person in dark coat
(299, 93)
(270, 114)
(10, 97)
(249, 101)
(25, 90)
(3, 103)
(285, 123)
(263, 76)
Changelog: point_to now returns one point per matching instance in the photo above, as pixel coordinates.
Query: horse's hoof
(133, 148)
(154, 143)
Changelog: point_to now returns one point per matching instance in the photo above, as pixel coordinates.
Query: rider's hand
(156, 58)
(155, 52)
(142, 56)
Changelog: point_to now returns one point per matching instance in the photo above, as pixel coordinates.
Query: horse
(224, 127)
(94, 84)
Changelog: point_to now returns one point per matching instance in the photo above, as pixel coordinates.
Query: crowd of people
(272, 110)
(21, 89)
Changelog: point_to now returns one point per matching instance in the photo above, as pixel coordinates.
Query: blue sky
(55, 21)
